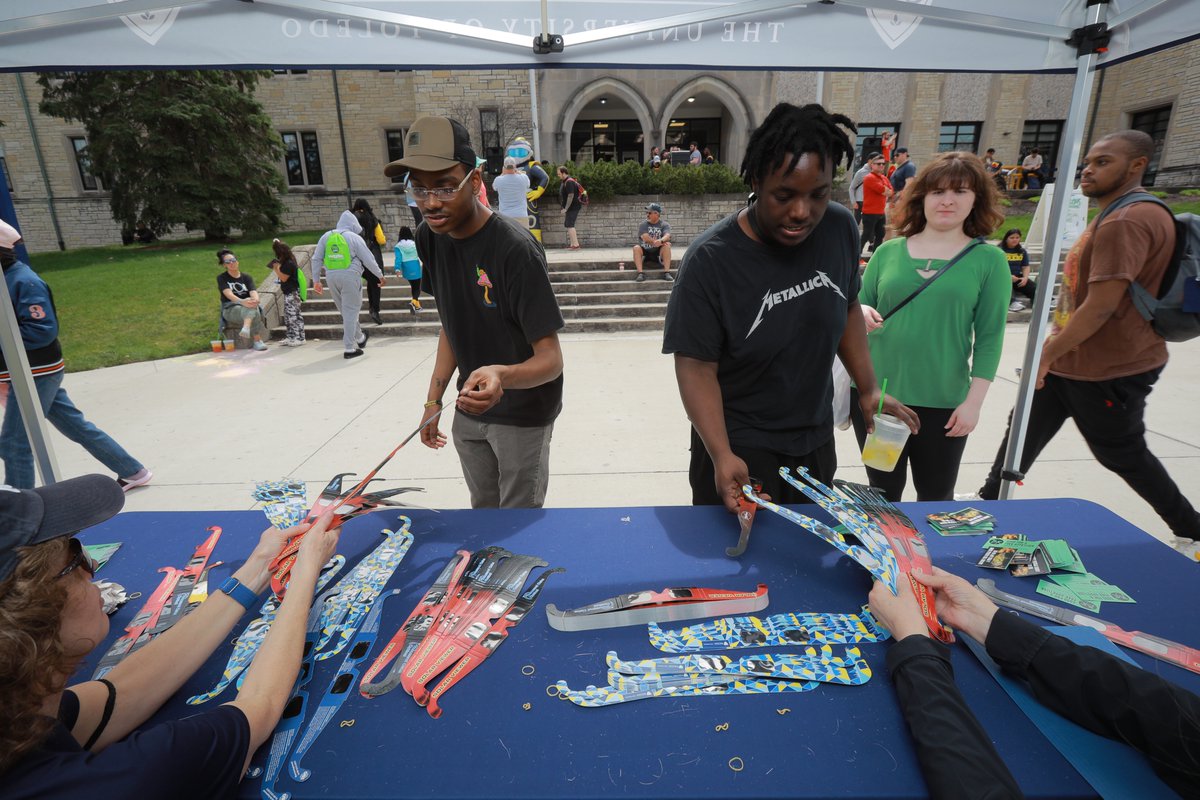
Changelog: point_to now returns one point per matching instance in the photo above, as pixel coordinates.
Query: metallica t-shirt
(771, 318)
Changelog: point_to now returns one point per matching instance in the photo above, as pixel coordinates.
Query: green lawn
(1023, 221)
(119, 305)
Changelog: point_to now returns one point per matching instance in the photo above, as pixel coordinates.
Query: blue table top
(834, 741)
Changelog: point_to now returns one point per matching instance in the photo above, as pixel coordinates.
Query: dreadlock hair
(790, 131)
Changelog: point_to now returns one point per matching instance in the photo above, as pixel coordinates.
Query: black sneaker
(355, 354)
(366, 335)
(668, 277)
(374, 315)
(640, 277)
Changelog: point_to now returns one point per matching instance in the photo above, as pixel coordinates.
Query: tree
(191, 148)
(504, 122)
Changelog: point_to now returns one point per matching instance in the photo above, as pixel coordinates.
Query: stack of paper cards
(964, 522)
(1086, 591)
(1023, 556)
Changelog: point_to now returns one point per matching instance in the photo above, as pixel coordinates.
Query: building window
(1045, 136)
(395, 147)
(489, 139)
(1155, 122)
(870, 139)
(290, 71)
(302, 159)
(959, 136)
(84, 164)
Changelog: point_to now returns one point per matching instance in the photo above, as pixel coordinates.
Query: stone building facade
(345, 125)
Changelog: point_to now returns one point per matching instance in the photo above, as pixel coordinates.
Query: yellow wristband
(432, 403)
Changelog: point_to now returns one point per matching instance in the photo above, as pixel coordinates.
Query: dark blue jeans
(62, 414)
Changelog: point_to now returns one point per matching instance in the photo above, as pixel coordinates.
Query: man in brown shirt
(1102, 358)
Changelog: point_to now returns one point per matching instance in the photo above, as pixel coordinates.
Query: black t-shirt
(291, 285)
(494, 299)
(241, 286)
(772, 319)
(198, 757)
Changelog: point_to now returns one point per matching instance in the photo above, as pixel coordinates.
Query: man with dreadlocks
(762, 302)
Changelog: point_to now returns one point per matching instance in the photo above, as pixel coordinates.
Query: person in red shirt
(876, 190)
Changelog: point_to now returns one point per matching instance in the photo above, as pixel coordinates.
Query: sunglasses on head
(79, 560)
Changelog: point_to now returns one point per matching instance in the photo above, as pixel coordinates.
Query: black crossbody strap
(958, 256)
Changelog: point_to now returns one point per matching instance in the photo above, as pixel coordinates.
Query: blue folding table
(833, 741)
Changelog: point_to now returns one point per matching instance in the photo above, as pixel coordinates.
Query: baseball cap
(873, 156)
(510, 162)
(33, 516)
(654, 207)
(433, 144)
(900, 150)
(9, 236)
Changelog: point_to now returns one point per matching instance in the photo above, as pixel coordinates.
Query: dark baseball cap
(900, 150)
(655, 207)
(434, 144)
(33, 516)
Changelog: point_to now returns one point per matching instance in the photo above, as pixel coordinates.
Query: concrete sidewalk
(210, 425)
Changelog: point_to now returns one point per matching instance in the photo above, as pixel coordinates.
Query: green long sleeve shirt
(951, 333)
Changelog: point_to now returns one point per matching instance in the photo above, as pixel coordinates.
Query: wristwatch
(241, 594)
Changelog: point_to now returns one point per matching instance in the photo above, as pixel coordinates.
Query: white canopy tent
(925, 35)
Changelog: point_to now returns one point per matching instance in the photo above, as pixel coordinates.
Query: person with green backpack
(342, 256)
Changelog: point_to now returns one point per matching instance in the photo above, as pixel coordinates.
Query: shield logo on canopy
(150, 25)
(893, 27)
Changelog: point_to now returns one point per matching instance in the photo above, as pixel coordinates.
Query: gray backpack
(1175, 312)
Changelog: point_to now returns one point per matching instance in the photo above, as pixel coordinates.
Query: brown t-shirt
(1134, 243)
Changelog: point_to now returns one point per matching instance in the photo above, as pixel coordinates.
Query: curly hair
(953, 170)
(33, 664)
(790, 131)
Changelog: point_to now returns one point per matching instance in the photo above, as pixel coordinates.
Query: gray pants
(505, 466)
(239, 315)
(346, 287)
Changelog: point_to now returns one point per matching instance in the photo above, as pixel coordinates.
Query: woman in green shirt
(940, 352)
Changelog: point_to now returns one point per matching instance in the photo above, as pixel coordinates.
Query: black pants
(933, 456)
(873, 229)
(763, 465)
(415, 286)
(373, 291)
(1029, 289)
(1110, 416)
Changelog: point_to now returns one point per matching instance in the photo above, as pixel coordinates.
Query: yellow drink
(881, 455)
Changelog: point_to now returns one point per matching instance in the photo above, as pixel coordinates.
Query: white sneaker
(1189, 547)
(1016, 305)
(966, 497)
(139, 478)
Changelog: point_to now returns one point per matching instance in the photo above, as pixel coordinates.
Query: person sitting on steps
(654, 243)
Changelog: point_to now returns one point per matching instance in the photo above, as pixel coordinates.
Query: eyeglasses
(229, 260)
(442, 192)
(79, 560)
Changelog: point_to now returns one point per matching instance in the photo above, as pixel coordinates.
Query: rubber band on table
(528, 669)
(552, 691)
(740, 765)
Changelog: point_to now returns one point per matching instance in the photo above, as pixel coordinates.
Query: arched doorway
(710, 112)
(607, 121)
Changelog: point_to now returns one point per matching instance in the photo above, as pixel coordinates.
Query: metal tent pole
(1090, 41)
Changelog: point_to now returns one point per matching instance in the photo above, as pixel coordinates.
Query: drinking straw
(882, 394)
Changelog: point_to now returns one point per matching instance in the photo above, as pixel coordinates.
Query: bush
(1160, 195)
(1190, 193)
(1005, 202)
(606, 179)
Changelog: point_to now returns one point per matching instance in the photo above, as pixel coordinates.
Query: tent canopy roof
(944, 35)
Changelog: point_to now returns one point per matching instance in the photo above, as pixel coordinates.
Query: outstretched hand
(899, 613)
